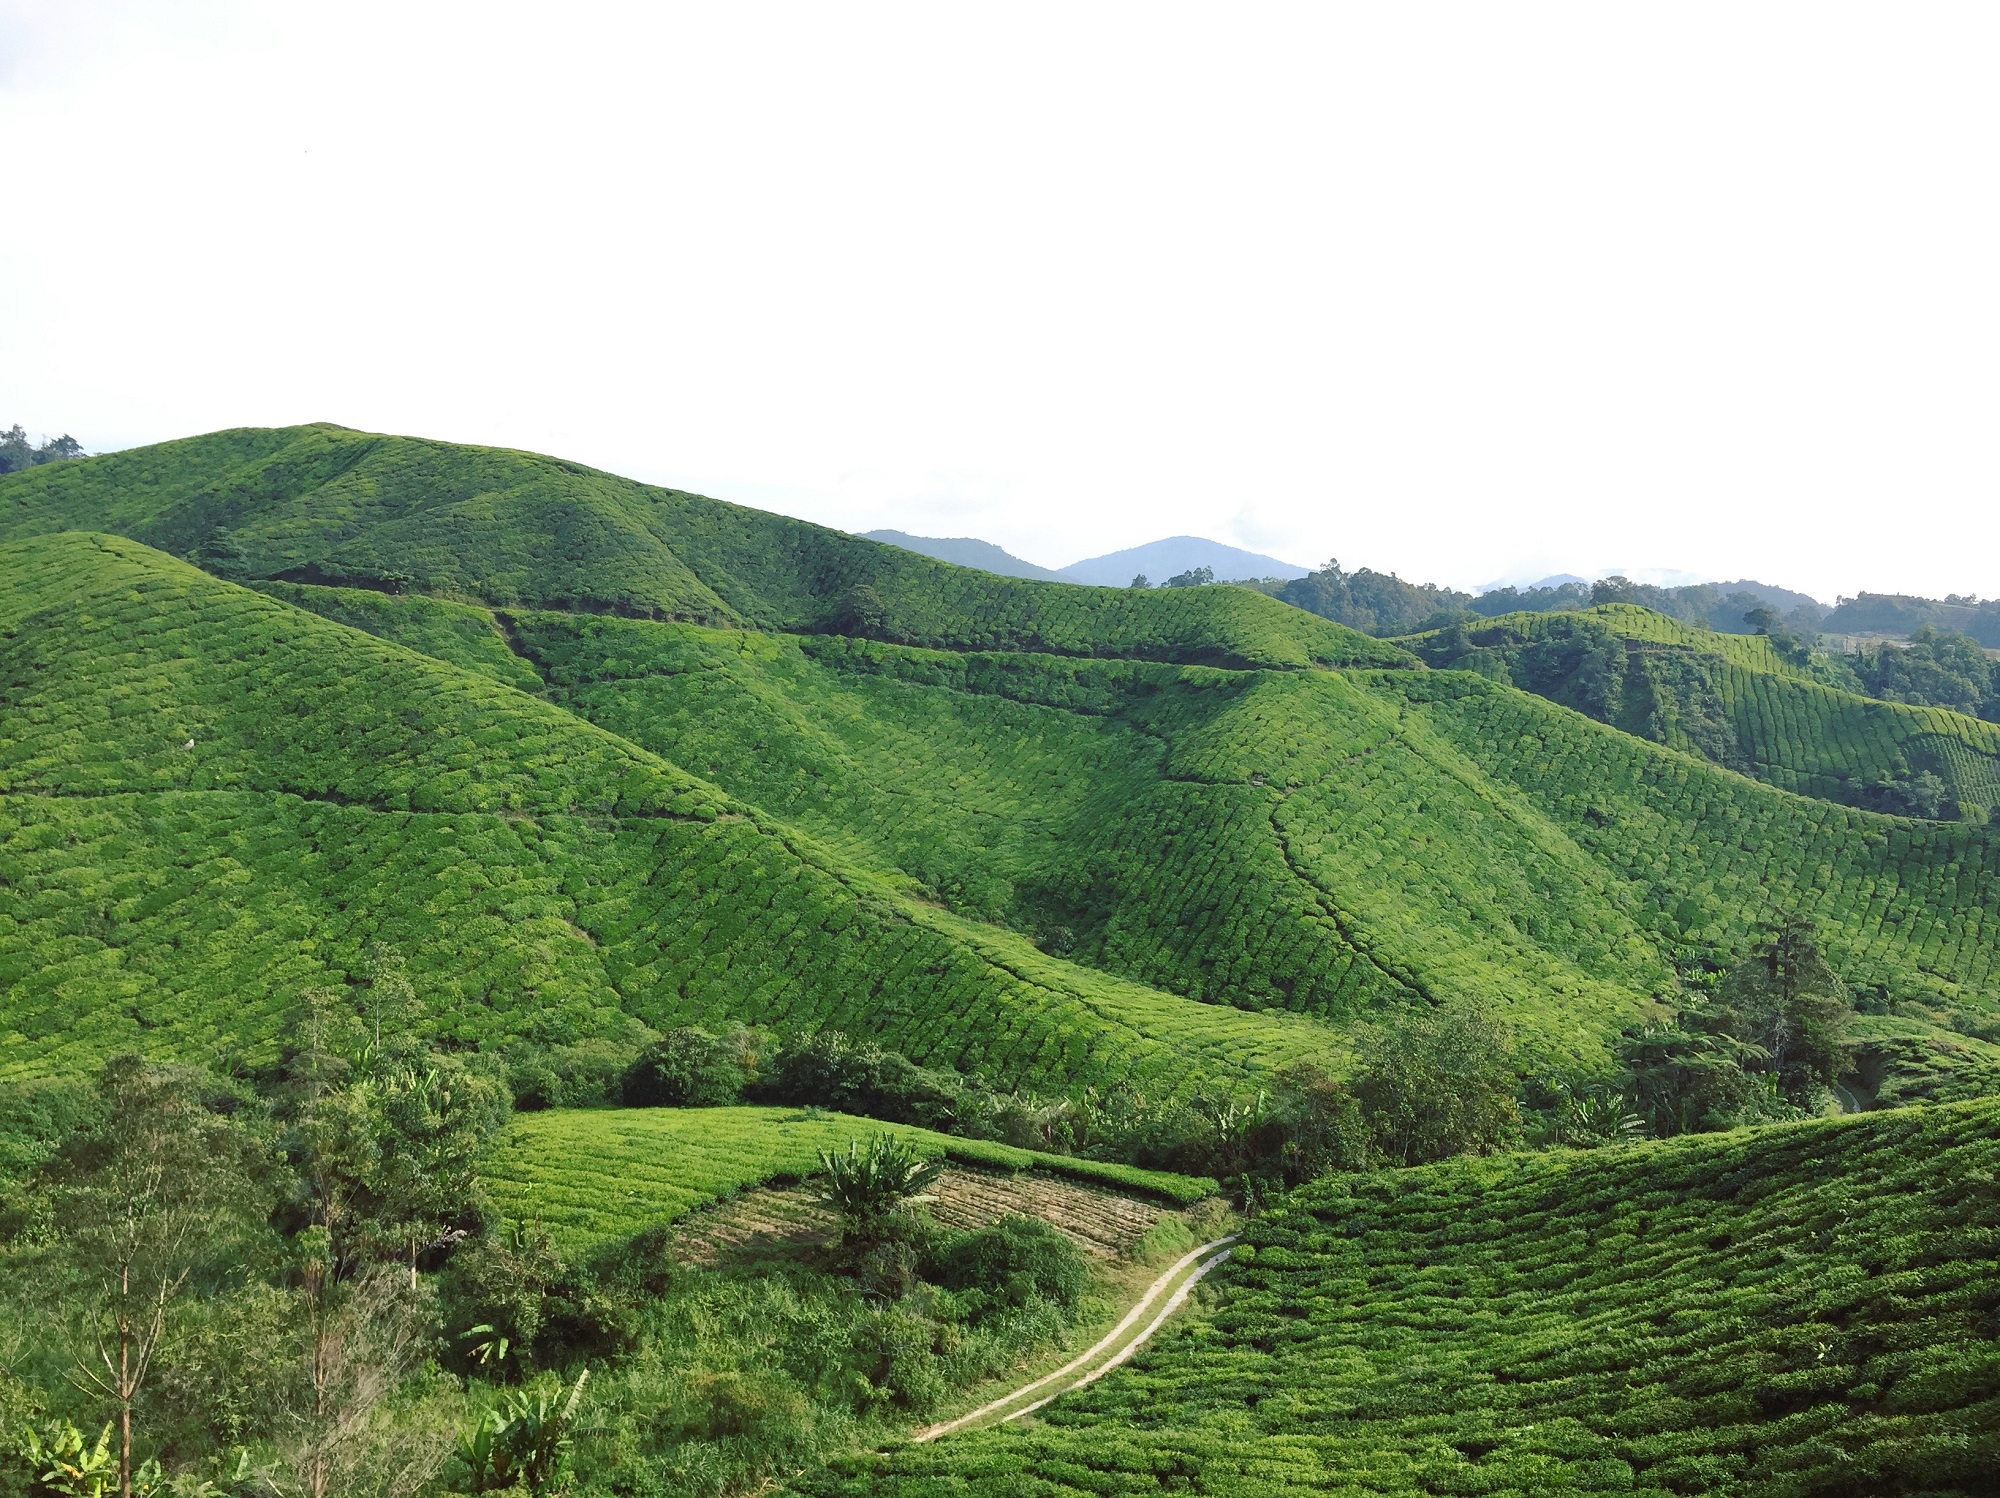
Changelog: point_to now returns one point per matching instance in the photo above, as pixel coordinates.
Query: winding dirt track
(1124, 1339)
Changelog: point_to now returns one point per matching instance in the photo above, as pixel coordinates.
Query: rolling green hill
(1023, 860)
(1799, 1310)
(212, 798)
(321, 504)
(1312, 841)
(1732, 698)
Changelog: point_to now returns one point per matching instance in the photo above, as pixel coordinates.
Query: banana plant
(525, 1441)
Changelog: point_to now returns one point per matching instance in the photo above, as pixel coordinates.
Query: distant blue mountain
(967, 552)
(1160, 560)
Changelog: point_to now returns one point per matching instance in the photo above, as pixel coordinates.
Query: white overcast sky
(1464, 291)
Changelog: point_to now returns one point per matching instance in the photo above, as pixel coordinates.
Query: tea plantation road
(1118, 1344)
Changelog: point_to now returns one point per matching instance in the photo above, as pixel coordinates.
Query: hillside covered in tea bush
(1808, 1309)
(1058, 852)
(1767, 708)
(322, 504)
(212, 798)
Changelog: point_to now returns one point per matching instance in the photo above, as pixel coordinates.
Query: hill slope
(321, 504)
(1808, 1309)
(1326, 843)
(1732, 699)
(209, 798)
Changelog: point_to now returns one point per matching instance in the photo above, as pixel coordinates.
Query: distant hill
(967, 551)
(1901, 614)
(1160, 560)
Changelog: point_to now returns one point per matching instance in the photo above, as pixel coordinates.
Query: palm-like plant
(867, 1184)
(525, 1442)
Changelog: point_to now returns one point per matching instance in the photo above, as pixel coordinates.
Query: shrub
(690, 1068)
(1007, 1263)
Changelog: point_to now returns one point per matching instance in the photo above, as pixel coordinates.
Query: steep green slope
(1320, 842)
(1800, 1310)
(1731, 698)
(1703, 854)
(321, 504)
(212, 798)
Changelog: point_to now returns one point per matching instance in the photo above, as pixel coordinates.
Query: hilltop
(321, 504)
(966, 551)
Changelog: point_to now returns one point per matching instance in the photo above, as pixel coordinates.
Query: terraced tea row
(1807, 1309)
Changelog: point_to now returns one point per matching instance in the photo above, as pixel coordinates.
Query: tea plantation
(592, 1174)
(1731, 698)
(322, 504)
(1307, 841)
(213, 799)
(1811, 1309)
(1086, 812)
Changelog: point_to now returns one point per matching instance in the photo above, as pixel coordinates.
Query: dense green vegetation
(17, 453)
(215, 798)
(322, 504)
(303, 1290)
(1290, 840)
(453, 778)
(1902, 614)
(1752, 703)
(1807, 1309)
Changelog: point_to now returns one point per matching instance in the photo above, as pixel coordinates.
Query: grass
(595, 1174)
(1804, 1309)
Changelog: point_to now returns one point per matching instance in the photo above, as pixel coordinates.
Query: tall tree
(1439, 1084)
(160, 1189)
(1785, 998)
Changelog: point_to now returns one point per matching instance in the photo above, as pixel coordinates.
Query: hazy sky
(1463, 291)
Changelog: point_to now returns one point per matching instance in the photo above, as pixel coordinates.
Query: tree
(221, 556)
(1440, 1084)
(688, 1068)
(16, 454)
(1688, 1075)
(1140, 581)
(1194, 577)
(869, 1185)
(1785, 999)
(362, 1336)
(159, 1190)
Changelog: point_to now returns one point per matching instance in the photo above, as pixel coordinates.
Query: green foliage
(322, 505)
(1439, 1084)
(1759, 704)
(1786, 1001)
(1008, 1265)
(1375, 603)
(690, 1068)
(526, 1441)
(867, 1184)
(1803, 1309)
(17, 453)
